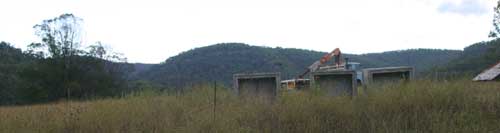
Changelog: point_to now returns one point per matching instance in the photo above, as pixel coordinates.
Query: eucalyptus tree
(61, 37)
(496, 21)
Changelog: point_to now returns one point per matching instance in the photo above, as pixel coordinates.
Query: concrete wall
(387, 75)
(256, 84)
(336, 82)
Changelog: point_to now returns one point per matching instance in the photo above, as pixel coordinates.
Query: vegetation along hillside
(58, 67)
(218, 62)
(475, 58)
(11, 59)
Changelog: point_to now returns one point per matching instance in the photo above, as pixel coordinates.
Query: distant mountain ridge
(475, 58)
(220, 61)
(139, 68)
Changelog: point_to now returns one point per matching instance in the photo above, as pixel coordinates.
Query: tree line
(59, 67)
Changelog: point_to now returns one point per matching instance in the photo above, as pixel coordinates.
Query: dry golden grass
(420, 106)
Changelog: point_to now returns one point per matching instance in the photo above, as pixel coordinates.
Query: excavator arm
(315, 66)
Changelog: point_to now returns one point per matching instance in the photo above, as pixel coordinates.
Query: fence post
(215, 98)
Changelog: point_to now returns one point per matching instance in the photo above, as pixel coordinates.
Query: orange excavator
(300, 82)
(316, 65)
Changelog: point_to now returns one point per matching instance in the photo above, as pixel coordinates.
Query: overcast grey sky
(150, 31)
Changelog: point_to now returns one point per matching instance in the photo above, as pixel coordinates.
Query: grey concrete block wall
(256, 84)
(335, 82)
(387, 75)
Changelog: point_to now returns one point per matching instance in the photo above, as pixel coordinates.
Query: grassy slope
(421, 106)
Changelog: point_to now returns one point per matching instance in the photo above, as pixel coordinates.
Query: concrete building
(256, 84)
(491, 74)
(335, 82)
(387, 74)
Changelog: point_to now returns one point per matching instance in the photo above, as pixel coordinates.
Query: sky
(150, 31)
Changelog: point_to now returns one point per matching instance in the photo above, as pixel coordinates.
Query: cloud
(464, 7)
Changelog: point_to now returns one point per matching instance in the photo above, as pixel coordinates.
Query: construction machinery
(301, 82)
(317, 64)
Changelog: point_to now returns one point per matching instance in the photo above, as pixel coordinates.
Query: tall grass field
(417, 106)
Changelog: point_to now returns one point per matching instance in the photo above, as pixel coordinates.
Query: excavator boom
(315, 66)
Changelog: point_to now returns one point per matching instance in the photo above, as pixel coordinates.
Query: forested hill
(26, 78)
(218, 62)
(421, 59)
(10, 62)
(475, 58)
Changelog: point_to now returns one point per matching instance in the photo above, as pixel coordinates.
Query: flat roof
(293, 80)
(388, 68)
(256, 75)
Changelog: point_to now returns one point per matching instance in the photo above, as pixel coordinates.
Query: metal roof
(399, 68)
(489, 74)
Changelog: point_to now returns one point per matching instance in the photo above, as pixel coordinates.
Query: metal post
(215, 98)
(346, 63)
